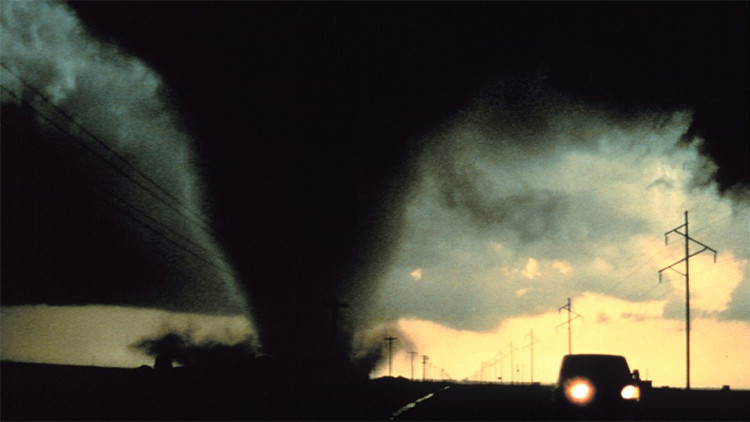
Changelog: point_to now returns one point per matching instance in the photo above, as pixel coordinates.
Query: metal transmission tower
(570, 311)
(412, 354)
(390, 339)
(686, 274)
(531, 346)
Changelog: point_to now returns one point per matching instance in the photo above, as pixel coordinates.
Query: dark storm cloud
(580, 212)
(371, 348)
(184, 348)
(530, 214)
(308, 118)
(102, 203)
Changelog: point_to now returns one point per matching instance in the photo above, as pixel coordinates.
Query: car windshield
(598, 368)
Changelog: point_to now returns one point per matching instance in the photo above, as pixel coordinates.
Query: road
(483, 402)
(57, 392)
(473, 402)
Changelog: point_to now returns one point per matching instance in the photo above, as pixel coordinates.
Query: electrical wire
(126, 203)
(193, 217)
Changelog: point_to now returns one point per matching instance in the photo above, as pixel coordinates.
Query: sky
(591, 229)
(229, 172)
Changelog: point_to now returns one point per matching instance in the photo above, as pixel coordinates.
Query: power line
(164, 236)
(130, 206)
(644, 293)
(196, 218)
(624, 278)
(706, 226)
(175, 243)
(105, 160)
(206, 229)
(621, 280)
(662, 295)
(649, 290)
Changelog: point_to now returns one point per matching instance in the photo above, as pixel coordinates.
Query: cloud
(522, 292)
(103, 335)
(370, 348)
(635, 330)
(562, 266)
(416, 274)
(587, 193)
(182, 346)
(738, 309)
(531, 270)
(131, 204)
(522, 171)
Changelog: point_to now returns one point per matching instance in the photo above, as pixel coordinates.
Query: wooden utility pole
(390, 339)
(335, 307)
(531, 346)
(570, 335)
(686, 274)
(500, 356)
(512, 363)
(412, 354)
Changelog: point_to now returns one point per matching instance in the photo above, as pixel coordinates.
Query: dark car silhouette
(596, 385)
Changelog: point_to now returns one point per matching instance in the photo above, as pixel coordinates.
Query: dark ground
(56, 392)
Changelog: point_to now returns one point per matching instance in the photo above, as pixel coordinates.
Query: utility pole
(570, 336)
(512, 374)
(335, 307)
(424, 367)
(686, 259)
(412, 354)
(490, 370)
(500, 355)
(531, 346)
(390, 339)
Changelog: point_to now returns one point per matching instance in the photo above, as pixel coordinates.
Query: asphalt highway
(56, 392)
(474, 402)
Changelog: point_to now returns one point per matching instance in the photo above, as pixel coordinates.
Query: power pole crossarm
(686, 274)
(568, 306)
(671, 267)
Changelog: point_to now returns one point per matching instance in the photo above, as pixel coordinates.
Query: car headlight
(579, 391)
(631, 392)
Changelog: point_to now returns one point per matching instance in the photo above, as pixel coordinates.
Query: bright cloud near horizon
(653, 345)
